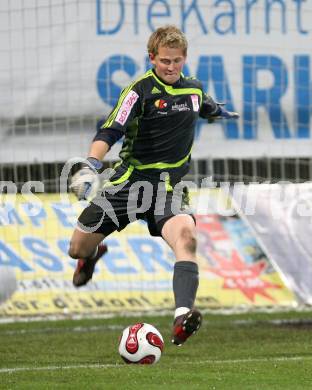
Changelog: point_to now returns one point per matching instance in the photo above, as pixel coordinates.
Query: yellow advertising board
(136, 273)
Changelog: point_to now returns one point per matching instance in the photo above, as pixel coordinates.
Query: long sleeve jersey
(158, 123)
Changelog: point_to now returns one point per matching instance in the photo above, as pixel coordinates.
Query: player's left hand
(223, 113)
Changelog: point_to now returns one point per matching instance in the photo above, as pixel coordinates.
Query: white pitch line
(57, 368)
(115, 327)
(79, 329)
(103, 366)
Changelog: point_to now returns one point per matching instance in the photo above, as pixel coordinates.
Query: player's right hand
(85, 182)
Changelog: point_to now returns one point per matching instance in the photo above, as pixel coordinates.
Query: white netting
(63, 64)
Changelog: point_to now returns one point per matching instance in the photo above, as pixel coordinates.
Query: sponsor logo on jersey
(180, 107)
(126, 107)
(160, 103)
(195, 102)
(155, 90)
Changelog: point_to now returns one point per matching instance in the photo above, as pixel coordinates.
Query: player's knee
(72, 251)
(188, 239)
(75, 251)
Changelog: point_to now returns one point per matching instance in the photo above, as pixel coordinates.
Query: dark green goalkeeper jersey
(158, 122)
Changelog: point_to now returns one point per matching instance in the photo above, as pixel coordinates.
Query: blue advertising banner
(75, 58)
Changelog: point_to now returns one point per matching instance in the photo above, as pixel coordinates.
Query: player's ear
(152, 58)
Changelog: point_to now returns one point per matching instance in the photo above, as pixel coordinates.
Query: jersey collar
(161, 81)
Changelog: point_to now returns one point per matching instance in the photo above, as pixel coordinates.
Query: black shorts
(118, 205)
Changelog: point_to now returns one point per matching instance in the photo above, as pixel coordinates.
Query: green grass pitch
(242, 351)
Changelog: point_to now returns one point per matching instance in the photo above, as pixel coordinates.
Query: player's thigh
(179, 228)
(106, 213)
(103, 216)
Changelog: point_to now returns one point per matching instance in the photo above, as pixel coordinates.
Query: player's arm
(98, 149)
(104, 139)
(108, 133)
(212, 110)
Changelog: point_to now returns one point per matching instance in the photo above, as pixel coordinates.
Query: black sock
(185, 283)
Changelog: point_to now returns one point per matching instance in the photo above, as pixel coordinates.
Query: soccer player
(156, 115)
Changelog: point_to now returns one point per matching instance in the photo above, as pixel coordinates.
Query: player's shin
(187, 319)
(85, 267)
(185, 284)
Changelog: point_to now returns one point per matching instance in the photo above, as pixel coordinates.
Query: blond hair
(167, 36)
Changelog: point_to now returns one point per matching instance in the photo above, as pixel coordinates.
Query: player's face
(168, 63)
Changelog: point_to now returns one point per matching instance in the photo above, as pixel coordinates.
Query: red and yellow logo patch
(160, 103)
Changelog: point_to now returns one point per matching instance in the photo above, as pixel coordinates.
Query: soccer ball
(141, 344)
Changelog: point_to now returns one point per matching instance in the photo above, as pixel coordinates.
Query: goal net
(63, 64)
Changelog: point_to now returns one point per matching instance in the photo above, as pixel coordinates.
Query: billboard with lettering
(136, 273)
